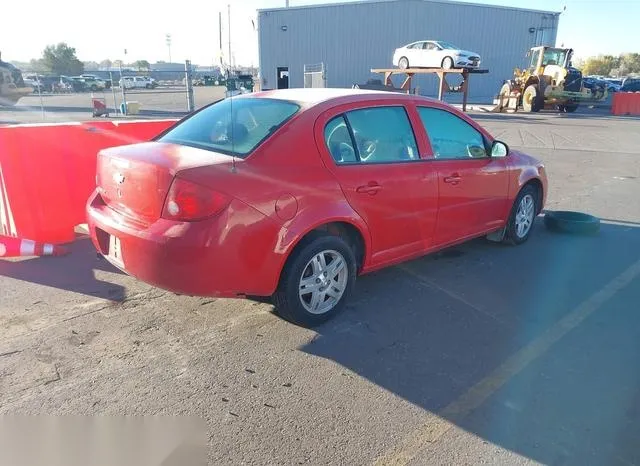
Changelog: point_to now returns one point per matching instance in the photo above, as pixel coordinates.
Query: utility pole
(168, 41)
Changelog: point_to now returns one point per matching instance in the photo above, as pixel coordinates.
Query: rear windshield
(232, 126)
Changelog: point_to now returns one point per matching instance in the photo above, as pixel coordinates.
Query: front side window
(232, 126)
(451, 137)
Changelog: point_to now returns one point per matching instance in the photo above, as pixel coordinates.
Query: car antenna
(233, 153)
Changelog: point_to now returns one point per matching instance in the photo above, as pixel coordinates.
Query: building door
(283, 77)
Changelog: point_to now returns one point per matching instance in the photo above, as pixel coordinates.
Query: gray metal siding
(353, 38)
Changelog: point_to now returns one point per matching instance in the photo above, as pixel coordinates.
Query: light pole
(168, 41)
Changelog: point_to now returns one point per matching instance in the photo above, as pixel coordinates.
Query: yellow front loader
(550, 82)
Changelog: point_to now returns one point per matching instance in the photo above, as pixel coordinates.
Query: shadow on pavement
(74, 272)
(430, 330)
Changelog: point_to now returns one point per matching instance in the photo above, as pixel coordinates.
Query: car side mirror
(499, 149)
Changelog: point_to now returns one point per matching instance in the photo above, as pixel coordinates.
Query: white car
(141, 82)
(434, 54)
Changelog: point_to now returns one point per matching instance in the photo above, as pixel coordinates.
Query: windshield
(447, 45)
(232, 126)
(554, 57)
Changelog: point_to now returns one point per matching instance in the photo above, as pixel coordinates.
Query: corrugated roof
(449, 2)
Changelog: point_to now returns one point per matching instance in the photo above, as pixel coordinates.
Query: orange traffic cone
(16, 247)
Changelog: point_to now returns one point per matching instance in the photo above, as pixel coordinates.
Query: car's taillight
(188, 201)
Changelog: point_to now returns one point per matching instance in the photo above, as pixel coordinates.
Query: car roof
(309, 97)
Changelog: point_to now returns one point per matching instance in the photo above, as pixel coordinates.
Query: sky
(103, 30)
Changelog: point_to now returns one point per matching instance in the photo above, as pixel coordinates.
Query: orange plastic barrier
(47, 173)
(626, 103)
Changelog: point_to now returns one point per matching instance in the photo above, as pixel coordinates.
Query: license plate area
(115, 250)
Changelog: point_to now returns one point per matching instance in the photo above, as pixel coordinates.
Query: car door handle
(370, 189)
(453, 179)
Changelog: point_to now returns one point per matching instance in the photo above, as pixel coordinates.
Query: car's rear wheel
(316, 282)
(523, 215)
(403, 63)
(447, 63)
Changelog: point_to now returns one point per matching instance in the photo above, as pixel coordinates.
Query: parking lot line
(436, 425)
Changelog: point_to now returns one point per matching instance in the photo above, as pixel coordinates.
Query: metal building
(349, 39)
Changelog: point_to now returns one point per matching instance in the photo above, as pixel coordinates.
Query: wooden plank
(406, 85)
(387, 79)
(442, 73)
(443, 87)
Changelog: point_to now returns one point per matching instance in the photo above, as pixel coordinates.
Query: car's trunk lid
(135, 179)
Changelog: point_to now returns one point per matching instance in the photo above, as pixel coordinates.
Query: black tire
(94, 88)
(403, 63)
(447, 63)
(570, 108)
(531, 99)
(287, 300)
(572, 222)
(512, 235)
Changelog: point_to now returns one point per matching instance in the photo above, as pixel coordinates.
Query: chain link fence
(159, 92)
(164, 90)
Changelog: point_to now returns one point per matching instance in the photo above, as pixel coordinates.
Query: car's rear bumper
(216, 257)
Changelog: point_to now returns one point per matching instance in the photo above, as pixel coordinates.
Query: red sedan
(292, 194)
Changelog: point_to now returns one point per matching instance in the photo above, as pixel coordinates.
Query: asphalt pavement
(480, 354)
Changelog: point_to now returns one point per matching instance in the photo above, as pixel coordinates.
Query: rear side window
(451, 137)
(234, 128)
(372, 135)
(339, 141)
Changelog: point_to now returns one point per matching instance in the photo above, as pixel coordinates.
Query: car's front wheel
(403, 64)
(447, 63)
(316, 282)
(523, 215)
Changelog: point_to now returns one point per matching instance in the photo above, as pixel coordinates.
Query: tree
(61, 59)
(630, 63)
(36, 66)
(601, 65)
(142, 65)
(90, 65)
(106, 64)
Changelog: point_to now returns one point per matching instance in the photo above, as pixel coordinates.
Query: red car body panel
(288, 186)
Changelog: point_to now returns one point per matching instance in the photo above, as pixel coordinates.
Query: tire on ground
(287, 299)
(532, 101)
(571, 222)
(511, 236)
